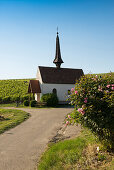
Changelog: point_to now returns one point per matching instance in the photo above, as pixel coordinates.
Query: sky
(28, 35)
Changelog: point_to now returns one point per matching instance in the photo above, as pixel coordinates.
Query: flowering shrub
(93, 99)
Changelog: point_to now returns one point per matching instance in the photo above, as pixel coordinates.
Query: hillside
(13, 88)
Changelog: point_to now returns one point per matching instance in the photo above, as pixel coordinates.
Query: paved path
(21, 146)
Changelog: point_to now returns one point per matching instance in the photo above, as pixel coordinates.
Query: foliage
(50, 98)
(33, 103)
(6, 99)
(26, 103)
(17, 99)
(10, 90)
(11, 118)
(93, 98)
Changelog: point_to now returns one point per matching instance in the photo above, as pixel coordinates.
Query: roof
(54, 75)
(34, 86)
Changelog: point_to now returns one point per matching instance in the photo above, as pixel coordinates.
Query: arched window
(54, 91)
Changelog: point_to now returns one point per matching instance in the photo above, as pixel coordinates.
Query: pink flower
(85, 101)
(108, 86)
(69, 116)
(72, 89)
(76, 92)
(112, 88)
(67, 122)
(112, 85)
(85, 98)
(81, 111)
(107, 91)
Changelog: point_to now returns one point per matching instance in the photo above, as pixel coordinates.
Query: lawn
(83, 152)
(10, 118)
(8, 105)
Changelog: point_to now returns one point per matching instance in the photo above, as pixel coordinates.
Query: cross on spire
(58, 60)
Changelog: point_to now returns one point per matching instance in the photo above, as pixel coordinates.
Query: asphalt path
(22, 146)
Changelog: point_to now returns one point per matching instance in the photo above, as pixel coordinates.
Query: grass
(11, 118)
(8, 105)
(39, 107)
(22, 106)
(14, 105)
(78, 153)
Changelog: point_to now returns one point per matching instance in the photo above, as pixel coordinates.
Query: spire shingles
(58, 60)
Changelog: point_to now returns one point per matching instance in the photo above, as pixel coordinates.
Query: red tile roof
(34, 87)
(54, 75)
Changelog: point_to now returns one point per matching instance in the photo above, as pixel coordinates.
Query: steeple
(58, 60)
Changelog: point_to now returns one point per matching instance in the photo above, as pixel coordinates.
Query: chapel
(56, 79)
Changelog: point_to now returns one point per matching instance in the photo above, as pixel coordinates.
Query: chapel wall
(62, 90)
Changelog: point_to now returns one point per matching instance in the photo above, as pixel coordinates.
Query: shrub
(17, 99)
(26, 97)
(93, 98)
(50, 99)
(33, 103)
(6, 100)
(0, 99)
(26, 103)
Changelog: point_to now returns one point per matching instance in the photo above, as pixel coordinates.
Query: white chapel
(54, 79)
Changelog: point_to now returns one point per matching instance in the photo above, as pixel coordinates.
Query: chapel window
(54, 91)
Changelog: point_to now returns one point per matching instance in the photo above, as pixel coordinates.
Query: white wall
(38, 76)
(62, 89)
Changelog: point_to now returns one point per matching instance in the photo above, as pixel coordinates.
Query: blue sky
(28, 35)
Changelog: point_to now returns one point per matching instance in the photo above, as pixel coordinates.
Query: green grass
(65, 153)
(14, 105)
(8, 105)
(11, 118)
(22, 106)
(78, 153)
(37, 107)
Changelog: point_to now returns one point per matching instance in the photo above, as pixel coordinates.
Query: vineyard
(11, 90)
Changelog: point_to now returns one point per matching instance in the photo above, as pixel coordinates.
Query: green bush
(0, 99)
(26, 103)
(17, 99)
(26, 97)
(93, 98)
(50, 99)
(33, 103)
(6, 100)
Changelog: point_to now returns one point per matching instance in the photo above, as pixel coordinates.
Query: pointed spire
(58, 60)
